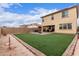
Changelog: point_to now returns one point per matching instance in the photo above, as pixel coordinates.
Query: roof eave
(60, 10)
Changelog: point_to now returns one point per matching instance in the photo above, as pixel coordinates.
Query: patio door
(53, 28)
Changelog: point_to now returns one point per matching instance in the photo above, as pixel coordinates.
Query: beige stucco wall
(59, 20)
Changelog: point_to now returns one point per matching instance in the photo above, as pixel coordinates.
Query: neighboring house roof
(60, 10)
(34, 25)
(23, 25)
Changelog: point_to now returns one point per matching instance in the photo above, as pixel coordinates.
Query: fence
(19, 30)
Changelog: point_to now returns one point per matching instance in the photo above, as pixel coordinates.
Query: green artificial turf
(50, 44)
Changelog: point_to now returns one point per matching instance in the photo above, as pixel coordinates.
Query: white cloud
(42, 11)
(8, 5)
(15, 19)
(5, 5)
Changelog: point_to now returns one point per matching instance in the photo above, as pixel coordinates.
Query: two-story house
(62, 21)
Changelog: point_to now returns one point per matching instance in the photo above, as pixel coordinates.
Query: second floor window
(42, 20)
(52, 18)
(65, 13)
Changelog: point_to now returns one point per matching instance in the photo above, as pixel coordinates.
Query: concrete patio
(17, 49)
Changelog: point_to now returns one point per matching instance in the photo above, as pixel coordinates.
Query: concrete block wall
(14, 30)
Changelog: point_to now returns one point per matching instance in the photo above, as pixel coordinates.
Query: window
(65, 26)
(52, 17)
(60, 26)
(42, 20)
(65, 13)
(69, 26)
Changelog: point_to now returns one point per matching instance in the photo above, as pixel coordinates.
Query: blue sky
(26, 7)
(12, 14)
